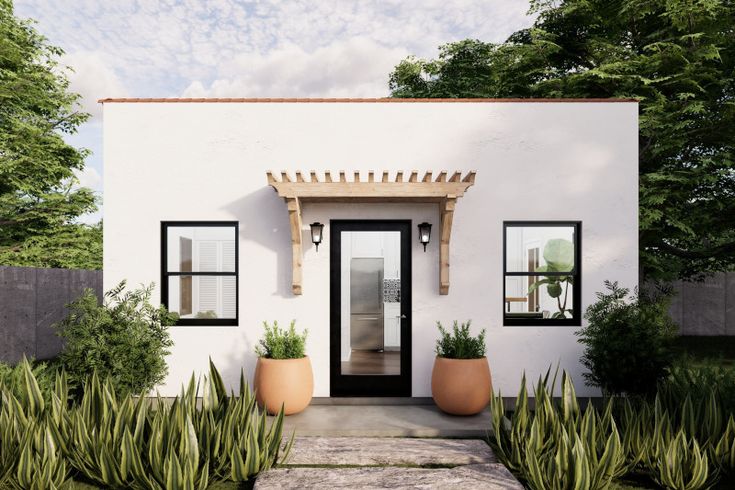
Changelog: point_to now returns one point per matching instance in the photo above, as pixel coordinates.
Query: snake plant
(134, 442)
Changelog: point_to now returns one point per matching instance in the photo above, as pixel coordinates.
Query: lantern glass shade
(424, 234)
(316, 233)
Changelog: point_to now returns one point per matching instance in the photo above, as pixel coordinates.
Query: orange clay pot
(287, 382)
(461, 386)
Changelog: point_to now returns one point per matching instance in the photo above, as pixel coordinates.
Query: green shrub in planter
(460, 344)
(125, 338)
(628, 342)
(280, 343)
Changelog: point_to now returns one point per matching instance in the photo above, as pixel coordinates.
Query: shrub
(13, 376)
(460, 344)
(125, 339)
(628, 342)
(280, 343)
(698, 381)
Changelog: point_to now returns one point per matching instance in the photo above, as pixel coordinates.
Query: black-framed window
(199, 271)
(542, 281)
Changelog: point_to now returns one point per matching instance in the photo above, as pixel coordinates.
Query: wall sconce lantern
(424, 234)
(316, 233)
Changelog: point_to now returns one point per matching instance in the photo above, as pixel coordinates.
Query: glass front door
(370, 302)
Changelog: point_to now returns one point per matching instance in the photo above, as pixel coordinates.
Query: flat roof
(353, 100)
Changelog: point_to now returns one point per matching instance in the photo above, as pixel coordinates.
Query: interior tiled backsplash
(392, 290)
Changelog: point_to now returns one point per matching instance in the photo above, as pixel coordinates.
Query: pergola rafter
(405, 187)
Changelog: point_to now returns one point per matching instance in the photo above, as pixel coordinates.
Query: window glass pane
(370, 303)
(201, 249)
(539, 248)
(539, 297)
(203, 297)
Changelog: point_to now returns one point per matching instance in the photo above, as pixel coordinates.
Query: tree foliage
(39, 199)
(677, 57)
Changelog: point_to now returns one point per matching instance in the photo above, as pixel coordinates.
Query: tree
(677, 57)
(39, 200)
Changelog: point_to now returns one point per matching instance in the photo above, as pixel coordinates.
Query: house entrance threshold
(415, 420)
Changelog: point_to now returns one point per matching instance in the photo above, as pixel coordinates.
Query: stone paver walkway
(364, 462)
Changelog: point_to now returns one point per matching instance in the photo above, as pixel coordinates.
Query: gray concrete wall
(31, 300)
(705, 308)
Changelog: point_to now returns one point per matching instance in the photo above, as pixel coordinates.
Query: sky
(233, 48)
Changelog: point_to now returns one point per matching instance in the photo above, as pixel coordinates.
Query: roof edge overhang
(392, 100)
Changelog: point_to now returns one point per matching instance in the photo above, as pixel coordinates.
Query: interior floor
(373, 362)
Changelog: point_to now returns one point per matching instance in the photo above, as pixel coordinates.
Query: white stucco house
(532, 205)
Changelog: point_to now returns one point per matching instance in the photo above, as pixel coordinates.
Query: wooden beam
(294, 218)
(370, 191)
(442, 191)
(447, 216)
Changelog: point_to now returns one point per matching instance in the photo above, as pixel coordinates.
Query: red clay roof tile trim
(343, 100)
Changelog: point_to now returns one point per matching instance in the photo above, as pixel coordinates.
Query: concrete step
(491, 476)
(385, 421)
(365, 451)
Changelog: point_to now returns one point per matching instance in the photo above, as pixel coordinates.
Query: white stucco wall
(534, 161)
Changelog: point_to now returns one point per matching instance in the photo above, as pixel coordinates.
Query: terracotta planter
(287, 382)
(461, 386)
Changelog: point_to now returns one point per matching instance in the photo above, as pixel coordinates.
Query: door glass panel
(370, 303)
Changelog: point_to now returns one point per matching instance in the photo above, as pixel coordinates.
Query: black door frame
(368, 385)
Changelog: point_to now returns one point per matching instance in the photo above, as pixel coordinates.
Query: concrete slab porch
(385, 421)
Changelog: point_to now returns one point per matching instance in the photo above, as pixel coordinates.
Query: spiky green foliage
(31, 436)
(125, 338)
(681, 445)
(677, 57)
(120, 441)
(39, 198)
(460, 344)
(558, 446)
(279, 343)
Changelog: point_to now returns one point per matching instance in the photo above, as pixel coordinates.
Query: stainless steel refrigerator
(366, 304)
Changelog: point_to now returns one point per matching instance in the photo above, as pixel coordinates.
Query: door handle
(368, 318)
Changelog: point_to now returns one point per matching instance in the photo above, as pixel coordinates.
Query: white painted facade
(574, 161)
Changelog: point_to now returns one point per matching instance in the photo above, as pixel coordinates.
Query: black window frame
(165, 273)
(576, 320)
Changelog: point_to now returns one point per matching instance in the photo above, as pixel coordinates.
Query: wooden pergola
(444, 190)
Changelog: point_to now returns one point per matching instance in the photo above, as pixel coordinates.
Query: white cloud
(89, 177)
(92, 79)
(356, 67)
(159, 48)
